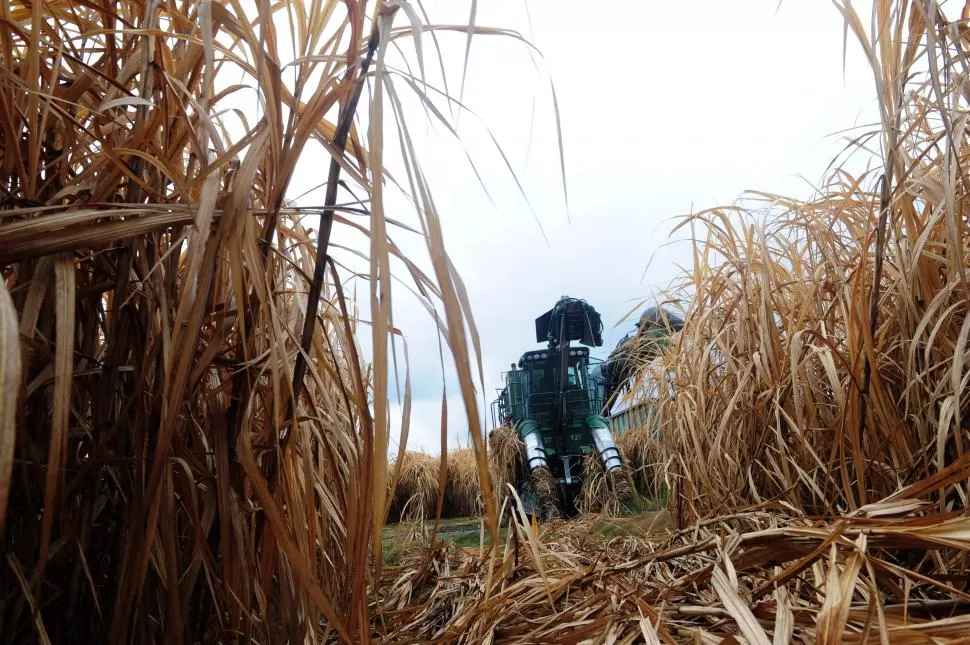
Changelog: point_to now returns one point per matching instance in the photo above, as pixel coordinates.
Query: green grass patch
(392, 555)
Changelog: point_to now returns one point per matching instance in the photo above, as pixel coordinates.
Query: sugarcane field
(442, 321)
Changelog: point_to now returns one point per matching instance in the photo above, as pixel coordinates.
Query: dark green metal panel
(532, 393)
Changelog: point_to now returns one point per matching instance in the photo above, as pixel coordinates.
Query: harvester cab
(554, 404)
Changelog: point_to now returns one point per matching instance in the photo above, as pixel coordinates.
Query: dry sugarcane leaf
(746, 621)
(10, 382)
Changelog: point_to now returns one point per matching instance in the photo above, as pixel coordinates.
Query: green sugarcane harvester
(558, 398)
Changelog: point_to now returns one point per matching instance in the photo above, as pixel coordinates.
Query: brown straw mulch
(766, 574)
(547, 498)
(606, 494)
(643, 455)
(416, 497)
(506, 453)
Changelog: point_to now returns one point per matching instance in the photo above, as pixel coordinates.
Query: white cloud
(424, 430)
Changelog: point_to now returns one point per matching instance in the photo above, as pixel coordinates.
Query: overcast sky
(666, 107)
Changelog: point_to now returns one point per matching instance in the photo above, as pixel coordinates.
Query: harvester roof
(536, 356)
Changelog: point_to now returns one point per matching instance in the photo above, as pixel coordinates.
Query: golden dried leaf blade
(10, 385)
